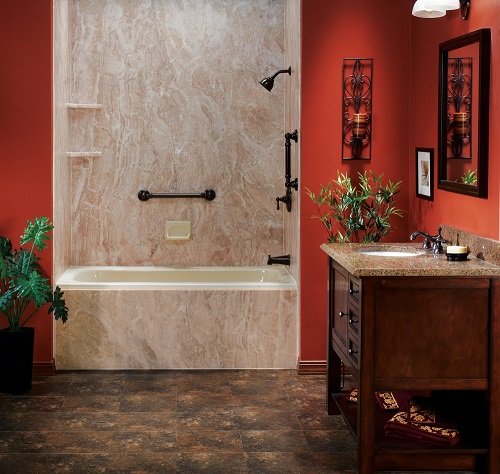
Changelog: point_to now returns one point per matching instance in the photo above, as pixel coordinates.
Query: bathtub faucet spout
(281, 260)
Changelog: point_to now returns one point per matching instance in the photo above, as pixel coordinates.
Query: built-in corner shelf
(83, 154)
(90, 106)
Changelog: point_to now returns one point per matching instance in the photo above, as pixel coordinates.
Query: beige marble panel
(292, 122)
(60, 166)
(112, 329)
(182, 111)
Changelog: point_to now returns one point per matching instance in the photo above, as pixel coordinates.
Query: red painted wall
(480, 216)
(405, 52)
(383, 30)
(332, 31)
(26, 131)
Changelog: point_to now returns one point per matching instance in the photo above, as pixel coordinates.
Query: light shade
(444, 4)
(429, 9)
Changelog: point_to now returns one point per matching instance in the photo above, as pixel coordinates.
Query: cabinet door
(339, 317)
(432, 329)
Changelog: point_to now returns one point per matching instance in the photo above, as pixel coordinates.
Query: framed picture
(424, 159)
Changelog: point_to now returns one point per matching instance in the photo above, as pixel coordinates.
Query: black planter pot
(16, 360)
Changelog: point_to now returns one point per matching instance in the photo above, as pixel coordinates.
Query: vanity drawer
(354, 288)
(354, 322)
(353, 352)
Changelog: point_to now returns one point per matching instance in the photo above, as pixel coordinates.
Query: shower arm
(289, 183)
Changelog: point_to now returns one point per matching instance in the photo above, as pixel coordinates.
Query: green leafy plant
(470, 177)
(356, 212)
(23, 287)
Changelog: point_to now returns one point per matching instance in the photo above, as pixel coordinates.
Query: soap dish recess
(178, 230)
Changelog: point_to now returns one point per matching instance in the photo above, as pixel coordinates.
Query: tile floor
(237, 421)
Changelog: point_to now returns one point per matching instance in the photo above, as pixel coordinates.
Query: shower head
(268, 82)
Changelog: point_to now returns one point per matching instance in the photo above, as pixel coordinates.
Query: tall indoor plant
(23, 291)
(356, 212)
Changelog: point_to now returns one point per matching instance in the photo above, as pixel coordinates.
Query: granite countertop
(424, 263)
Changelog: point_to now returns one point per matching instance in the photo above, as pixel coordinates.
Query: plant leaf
(58, 305)
(6, 300)
(33, 286)
(37, 232)
(5, 247)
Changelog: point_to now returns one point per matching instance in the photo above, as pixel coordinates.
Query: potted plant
(356, 213)
(23, 291)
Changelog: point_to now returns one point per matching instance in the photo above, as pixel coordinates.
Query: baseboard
(311, 367)
(44, 368)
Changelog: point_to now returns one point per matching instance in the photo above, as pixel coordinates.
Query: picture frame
(424, 173)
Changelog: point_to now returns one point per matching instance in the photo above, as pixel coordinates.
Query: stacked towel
(421, 423)
(386, 400)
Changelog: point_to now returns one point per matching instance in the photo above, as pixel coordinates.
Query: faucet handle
(438, 240)
(427, 245)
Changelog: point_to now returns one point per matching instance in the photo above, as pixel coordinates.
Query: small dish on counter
(457, 253)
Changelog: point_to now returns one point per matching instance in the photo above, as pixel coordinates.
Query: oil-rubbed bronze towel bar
(208, 194)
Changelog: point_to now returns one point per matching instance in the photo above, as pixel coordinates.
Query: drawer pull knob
(352, 351)
(352, 292)
(352, 320)
(342, 314)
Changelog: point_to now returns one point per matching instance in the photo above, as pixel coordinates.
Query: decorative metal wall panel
(459, 136)
(357, 76)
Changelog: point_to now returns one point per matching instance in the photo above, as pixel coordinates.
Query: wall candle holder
(356, 108)
(459, 107)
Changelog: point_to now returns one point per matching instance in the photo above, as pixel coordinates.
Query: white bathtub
(264, 277)
(185, 318)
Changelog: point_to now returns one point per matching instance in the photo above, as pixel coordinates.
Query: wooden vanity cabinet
(434, 334)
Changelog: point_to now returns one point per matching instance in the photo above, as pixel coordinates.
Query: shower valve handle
(286, 199)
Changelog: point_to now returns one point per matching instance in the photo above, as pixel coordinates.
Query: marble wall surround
(182, 111)
(164, 96)
(292, 122)
(112, 329)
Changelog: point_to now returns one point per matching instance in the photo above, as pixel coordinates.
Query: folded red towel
(399, 426)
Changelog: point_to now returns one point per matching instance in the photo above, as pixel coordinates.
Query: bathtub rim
(67, 282)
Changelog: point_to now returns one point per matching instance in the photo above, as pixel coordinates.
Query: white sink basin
(387, 253)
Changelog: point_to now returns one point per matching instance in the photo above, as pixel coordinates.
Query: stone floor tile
(145, 421)
(273, 441)
(276, 401)
(197, 399)
(266, 418)
(147, 402)
(22, 442)
(54, 463)
(31, 403)
(320, 420)
(81, 421)
(91, 403)
(209, 440)
(299, 462)
(160, 441)
(207, 419)
(209, 462)
(175, 421)
(26, 421)
(331, 441)
(338, 461)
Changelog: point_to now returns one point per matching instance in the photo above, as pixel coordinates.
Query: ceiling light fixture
(438, 8)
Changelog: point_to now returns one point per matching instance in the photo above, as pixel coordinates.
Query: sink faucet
(434, 242)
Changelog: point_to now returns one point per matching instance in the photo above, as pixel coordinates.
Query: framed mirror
(463, 113)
